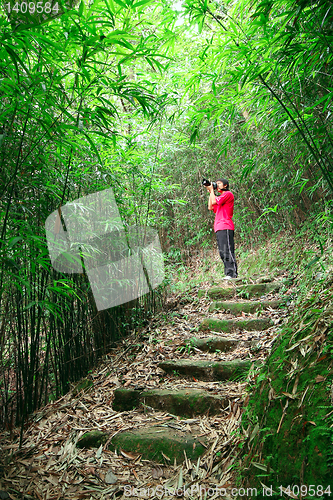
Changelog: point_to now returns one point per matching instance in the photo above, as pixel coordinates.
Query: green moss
(125, 399)
(221, 293)
(84, 385)
(288, 417)
(237, 308)
(207, 370)
(243, 291)
(213, 344)
(152, 442)
(92, 439)
(228, 326)
(186, 402)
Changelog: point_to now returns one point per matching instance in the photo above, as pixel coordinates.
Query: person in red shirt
(223, 207)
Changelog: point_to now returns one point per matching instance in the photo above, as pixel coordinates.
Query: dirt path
(160, 415)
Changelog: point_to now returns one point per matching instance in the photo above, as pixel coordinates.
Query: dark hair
(224, 182)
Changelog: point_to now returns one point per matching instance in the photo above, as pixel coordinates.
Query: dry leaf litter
(49, 465)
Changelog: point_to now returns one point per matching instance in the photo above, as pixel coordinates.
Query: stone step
(153, 441)
(170, 439)
(237, 308)
(207, 370)
(247, 291)
(212, 344)
(258, 290)
(92, 439)
(184, 402)
(229, 325)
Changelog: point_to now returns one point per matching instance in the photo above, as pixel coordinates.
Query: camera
(206, 182)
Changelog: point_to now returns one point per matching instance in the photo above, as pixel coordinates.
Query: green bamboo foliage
(65, 88)
(273, 60)
(116, 94)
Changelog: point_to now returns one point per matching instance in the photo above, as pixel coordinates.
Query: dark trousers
(225, 242)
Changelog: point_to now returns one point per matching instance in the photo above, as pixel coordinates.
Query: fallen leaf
(110, 478)
(291, 396)
(320, 378)
(99, 452)
(157, 473)
(129, 455)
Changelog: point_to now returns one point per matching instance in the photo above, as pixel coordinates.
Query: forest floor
(50, 466)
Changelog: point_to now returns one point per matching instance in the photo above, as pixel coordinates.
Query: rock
(92, 439)
(258, 289)
(207, 370)
(213, 344)
(153, 441)
(126, 399)
(84, 385)
(227, 326)
(264, 279)
(221, 293)
(184, 402)
(237, 308)
(110, 478)
(244, 291)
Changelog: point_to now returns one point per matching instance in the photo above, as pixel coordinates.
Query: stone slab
(237, 308)
(207, 370)
(152, 441)
(258, 290)
(212, 344)
(185, 402)
(228, 326)
(246, 291)
(92, 439)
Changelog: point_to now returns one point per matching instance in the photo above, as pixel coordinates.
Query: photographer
(223, 207)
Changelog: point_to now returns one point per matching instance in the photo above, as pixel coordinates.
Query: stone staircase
(211, 359)
(162, 409)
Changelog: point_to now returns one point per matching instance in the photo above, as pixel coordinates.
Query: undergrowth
(287, 436)
(309, 249)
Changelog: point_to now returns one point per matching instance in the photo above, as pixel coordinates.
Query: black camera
(206, 182)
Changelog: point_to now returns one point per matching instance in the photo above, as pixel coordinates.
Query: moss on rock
(92, 439)
(207, 370)
(153, 441)
(246, 291)
(213, 344)
(227, 326)
(237, 308)
(221, 293)
(186, 402)
(84, 385)
(290, 412)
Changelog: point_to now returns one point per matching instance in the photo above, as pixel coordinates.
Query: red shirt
(224, 210)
